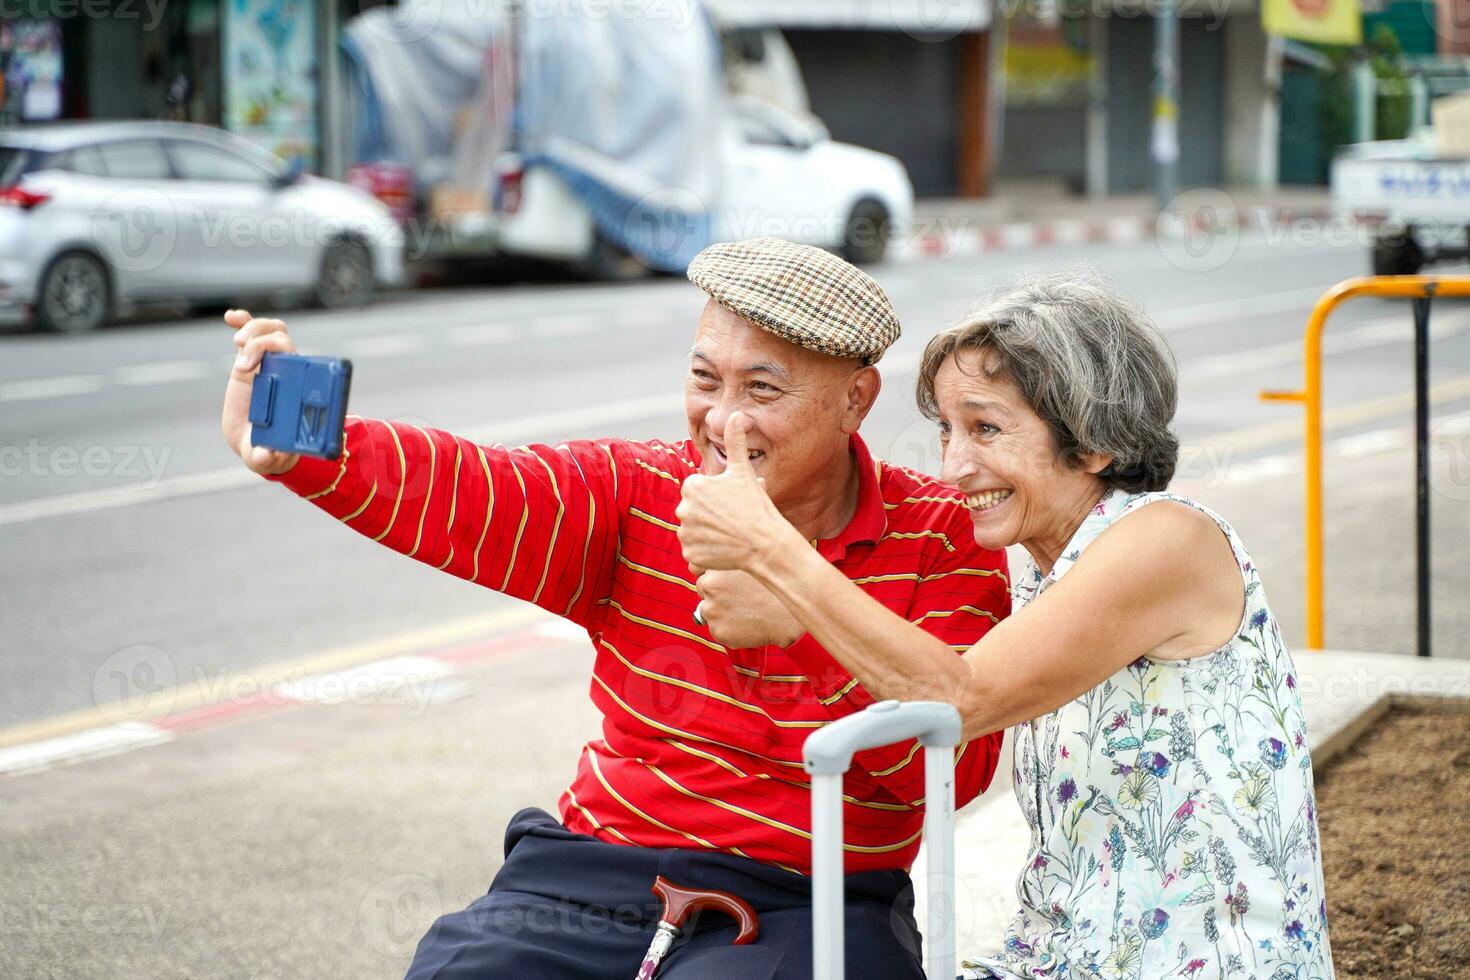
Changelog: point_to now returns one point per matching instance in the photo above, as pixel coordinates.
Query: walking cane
(678, 904)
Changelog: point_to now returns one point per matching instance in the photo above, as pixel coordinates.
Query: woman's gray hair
(1088, 360)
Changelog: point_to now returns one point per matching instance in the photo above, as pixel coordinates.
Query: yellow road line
(1290, 429)
(190, 695)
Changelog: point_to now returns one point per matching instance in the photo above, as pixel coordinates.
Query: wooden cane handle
(680, 902)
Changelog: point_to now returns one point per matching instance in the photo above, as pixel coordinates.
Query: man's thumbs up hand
(726, 520)
(737, 453)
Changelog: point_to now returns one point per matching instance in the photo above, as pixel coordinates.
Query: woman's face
(1003, 458)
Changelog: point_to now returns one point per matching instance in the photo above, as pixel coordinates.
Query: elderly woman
(1160, 745)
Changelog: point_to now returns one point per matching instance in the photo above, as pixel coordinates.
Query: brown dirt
(1395, 821)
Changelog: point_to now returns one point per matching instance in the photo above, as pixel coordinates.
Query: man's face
(803, 405)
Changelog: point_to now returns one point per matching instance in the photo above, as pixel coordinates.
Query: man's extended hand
(254, 337)
(742, 613)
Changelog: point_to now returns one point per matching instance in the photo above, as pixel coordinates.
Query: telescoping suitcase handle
(827, 754)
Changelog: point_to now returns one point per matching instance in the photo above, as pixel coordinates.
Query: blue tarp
(621, 101)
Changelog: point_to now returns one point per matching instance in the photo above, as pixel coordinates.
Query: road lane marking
(1291, 429)
(514, 432)
(1369, 443)
(1259, 469)
(385, 345)
(90, 743)
(536, 427)
(480, 335)
(55, 387)
(162, 372)
(205, 691)
(1382, 332)
(1226, 311)
(571, 325)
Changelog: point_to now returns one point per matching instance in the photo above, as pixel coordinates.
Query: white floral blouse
(1173, 821)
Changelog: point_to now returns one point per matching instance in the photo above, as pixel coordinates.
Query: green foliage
(1385, 55)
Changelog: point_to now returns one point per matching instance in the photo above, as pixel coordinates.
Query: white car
(97, 217)
(783, 176)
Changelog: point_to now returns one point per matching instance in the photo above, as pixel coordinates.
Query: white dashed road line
(162, 372)
(387, 345)
(56, 387)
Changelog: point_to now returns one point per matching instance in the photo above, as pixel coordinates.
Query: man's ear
(863, 386)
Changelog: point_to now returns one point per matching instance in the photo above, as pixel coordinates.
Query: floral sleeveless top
(1173, 821)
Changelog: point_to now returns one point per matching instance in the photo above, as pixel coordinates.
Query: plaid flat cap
(802, 294)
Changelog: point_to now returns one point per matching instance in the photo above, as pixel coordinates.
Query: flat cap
(802, 294)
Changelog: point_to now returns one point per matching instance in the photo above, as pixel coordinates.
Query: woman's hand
(727, 521)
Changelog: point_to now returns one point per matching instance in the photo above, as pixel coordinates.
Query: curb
(372, 678)
(932, 239)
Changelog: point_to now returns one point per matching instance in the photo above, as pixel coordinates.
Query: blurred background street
(239, 740)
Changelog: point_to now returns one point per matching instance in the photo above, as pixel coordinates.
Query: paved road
(129, 522)
(321, 840)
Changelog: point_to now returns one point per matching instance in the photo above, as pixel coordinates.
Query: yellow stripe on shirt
(972, 610)
(510, 566)
(428, 494)
(713, 695)
(453, 504)
(489, 512)
(402, 481)
(561, 509)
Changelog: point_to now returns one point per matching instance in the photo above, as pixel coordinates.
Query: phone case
(299, 404)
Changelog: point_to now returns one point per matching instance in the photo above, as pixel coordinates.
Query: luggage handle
(827, 755)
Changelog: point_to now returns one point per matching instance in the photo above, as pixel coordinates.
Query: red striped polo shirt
(701, 745)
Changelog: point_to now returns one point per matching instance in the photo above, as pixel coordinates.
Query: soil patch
(1394, 812)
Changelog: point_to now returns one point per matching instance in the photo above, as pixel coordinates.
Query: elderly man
(697, 776)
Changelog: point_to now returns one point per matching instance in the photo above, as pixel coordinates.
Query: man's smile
(755, 455)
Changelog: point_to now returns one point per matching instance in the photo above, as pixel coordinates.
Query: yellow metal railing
(1421, 289)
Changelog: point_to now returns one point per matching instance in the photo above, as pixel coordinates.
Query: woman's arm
(1131, 592)
(1144, 582)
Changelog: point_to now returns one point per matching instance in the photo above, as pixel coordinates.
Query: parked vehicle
(783, 175)
(1419, 201)
(610, 145)
(96, 217)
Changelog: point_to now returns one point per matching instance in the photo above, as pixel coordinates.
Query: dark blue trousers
(565, 905)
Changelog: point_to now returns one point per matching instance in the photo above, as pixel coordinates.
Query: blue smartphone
(299, 404)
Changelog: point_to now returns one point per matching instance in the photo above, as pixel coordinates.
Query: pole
(827, 881)
(939, 963)
(1418, 101)
(1421, 462)
(1365, 101)
(1164, 144)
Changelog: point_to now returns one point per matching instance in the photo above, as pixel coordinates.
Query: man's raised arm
(538, 523)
